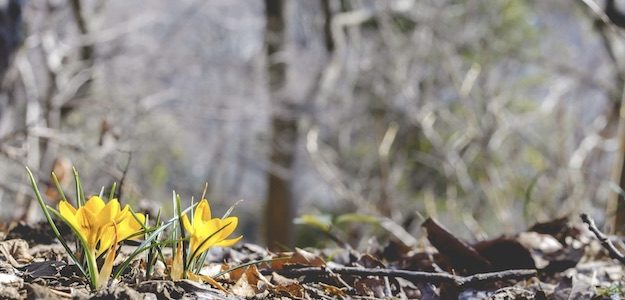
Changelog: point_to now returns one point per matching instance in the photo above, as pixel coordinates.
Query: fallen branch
(605, 242)
(414, 276)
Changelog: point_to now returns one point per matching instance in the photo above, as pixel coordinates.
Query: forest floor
(561, 259)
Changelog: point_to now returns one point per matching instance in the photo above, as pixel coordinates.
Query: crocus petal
(229, 224)
(95, 204)
(202, 213)
(230, 242)
(208, 230)
(205, 246)
(87, 217)
(85, 220)
(129, 227)
(216, 231)
(107, 214)
(66, 209)
(187, 225)
(206, 212)
(205, 236)
(68, 212)
(121, 215)
(194, 243)
(106, 240)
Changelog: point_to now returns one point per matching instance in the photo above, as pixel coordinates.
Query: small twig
(414, 276)
(481, 278)
(61, 293)
(605, 242)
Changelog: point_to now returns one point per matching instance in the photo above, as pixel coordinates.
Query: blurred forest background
(359, 115)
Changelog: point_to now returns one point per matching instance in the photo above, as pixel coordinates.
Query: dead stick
(415, 276)
(605, 242)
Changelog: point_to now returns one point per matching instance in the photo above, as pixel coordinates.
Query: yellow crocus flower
(206, 232)
(93, 218)
(101, 226)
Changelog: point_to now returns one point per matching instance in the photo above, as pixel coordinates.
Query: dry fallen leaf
(243, 288)
(235, 275)
(286, 286)
(278, 279)
(300, 257)
(15, 252)
(305, 258)
(295, 291)
(256, 279)
(280, 260)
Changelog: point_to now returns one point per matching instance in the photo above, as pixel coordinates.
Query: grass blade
(229, 211)
(46, 212)
(185, 245)
(112, 192)
(58, 187)
(144, 246)
(80, 196)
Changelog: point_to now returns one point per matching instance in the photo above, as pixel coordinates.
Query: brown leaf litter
(553, 260)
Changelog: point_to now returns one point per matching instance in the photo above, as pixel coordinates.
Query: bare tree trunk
(617, 202)
(10, 40)
(10, 36)
(279, 204)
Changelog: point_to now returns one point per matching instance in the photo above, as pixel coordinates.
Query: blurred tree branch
(609, 23)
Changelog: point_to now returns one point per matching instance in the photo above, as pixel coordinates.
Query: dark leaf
(43, 268)
(463, 257)
(505, 254)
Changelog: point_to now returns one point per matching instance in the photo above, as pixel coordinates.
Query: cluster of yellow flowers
(100, 227)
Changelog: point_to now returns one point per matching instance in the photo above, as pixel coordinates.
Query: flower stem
(92, 265)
